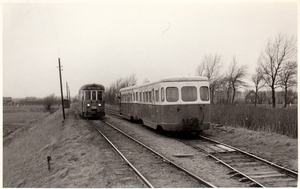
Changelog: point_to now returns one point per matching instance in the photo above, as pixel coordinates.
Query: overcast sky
(102, 42)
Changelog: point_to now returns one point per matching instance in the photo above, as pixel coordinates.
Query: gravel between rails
(198, 163)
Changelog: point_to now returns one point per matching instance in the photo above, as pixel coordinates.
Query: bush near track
(280, 121)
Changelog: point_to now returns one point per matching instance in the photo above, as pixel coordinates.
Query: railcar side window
(150, 96)
(93, 95)
(204, 94)
(156, 95)
(172, 94)
(87, 95)
(140, 97)
(189, 93)
(162, 94)
(99, 95)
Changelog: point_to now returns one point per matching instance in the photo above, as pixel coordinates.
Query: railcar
(170, 104)
(91, 101)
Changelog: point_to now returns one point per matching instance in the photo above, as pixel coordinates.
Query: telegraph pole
(67, 90)
(61, 90)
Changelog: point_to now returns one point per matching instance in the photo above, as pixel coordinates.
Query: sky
(102, 41)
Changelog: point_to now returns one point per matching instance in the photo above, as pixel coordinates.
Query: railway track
(112, 111)
(154, 169)
(248, 168)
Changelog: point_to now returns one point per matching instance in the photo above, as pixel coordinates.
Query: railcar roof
(92, 85)
(171, 79)
(185, 78)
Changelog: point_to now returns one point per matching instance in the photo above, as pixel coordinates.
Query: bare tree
(287, 78)
(146, 81)
(210, 67)
(49, 101)
(257, 78)
(235, 79)
(112, 91)
(271, 60)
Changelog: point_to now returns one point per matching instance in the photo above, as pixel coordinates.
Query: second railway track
(154, 169)
(245, 167)
(250, 169)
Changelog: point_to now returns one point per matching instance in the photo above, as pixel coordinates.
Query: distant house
(250, 97)
(7, 101)
(30, 99)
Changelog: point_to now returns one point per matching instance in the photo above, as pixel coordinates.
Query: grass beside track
(281, 120)
(261, 118)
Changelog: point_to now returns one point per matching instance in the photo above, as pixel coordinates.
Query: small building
(250, 97)
(7, 101)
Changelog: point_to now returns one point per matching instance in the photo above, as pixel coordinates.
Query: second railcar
(171, 104)
(91, 101)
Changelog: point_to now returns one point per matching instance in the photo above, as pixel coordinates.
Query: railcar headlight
(88, 105)
(99, 104)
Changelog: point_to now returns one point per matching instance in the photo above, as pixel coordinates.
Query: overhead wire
(53, 27)
(47, 36)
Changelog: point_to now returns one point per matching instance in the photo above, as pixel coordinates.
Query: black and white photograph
(149, 94)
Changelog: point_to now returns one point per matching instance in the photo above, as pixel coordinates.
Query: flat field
(15, 117)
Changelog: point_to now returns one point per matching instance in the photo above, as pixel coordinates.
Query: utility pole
(61, 90)
(67, 90)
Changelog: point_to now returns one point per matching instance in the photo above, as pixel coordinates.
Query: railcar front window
(189, 93)
(87, 95)
(93, 95)
(172, 94)
(204, 94)
(99, 93)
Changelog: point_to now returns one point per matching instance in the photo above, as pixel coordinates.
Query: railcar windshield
(87, 95)
(189, 93)
(99, 93)
(93, 95)
(172, 94)
(204, 94)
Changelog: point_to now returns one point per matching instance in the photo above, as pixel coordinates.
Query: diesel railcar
(91, 101)
(170, 104)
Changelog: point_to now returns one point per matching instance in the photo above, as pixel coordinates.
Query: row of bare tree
(277, 67)
(112, 91)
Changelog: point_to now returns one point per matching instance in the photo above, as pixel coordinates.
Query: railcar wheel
(198, 132)
(159, 128)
